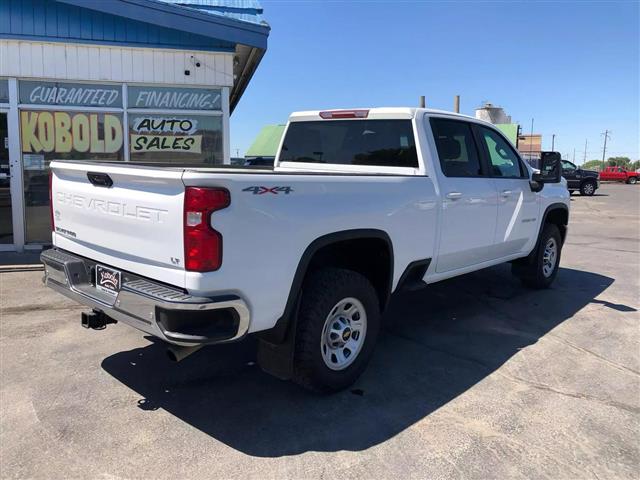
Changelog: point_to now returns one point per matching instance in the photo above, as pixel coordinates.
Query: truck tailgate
(135, 224)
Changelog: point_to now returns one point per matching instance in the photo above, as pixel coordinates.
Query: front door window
(6, 217)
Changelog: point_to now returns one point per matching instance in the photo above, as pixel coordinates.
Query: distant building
(492, 113)
(510, 130)
(530, 147)
(264, 148)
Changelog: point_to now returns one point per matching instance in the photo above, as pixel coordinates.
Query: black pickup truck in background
(585, 181)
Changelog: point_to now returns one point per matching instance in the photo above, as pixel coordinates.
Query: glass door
(6, 216)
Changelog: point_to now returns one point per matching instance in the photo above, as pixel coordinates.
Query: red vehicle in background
(619, 174)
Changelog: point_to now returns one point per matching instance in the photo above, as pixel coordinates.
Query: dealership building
(115, 80)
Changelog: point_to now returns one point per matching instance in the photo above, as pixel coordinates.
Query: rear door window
(384, 143)
(456, 147)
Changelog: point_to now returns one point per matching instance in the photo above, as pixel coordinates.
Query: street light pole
(553, 141)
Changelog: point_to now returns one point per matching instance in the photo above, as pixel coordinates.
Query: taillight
(53, 225)
(330, 114)
(202, 244)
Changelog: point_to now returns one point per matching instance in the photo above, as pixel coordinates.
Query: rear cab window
(457, 149)
(368, 143)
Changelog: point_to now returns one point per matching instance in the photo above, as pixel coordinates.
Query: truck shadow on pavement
(441, 342)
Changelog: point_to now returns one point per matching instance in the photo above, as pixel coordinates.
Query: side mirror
(550, 171)
(550, 167)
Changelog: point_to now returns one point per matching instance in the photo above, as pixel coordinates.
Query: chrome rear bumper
(160, 310)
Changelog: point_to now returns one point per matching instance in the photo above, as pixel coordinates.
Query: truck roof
(380, 113)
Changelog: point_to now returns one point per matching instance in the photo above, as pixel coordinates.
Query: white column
(226, 135)
(15, 160)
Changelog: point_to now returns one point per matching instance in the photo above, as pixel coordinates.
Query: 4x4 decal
(260, 190)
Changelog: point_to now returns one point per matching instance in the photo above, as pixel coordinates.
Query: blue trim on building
(189, 20)
(146, 23)
(244, 10)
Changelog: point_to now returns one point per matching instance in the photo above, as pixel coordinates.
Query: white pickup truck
(359, 204)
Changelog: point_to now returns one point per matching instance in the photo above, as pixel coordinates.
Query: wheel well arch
(366, 251)
(558, 214)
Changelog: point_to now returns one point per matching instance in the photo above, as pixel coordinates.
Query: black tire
(632, 180)
(321, 293)
(588, 188)
(531, 270)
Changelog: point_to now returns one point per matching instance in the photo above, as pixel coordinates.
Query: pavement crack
(561, 340)
(583, 396)
(536, 385)
(34, 308)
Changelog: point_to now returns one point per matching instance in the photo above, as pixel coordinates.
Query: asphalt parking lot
(478, 378)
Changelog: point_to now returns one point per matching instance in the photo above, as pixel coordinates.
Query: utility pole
(584, 160)
(422, 101)
(531, 141)
(574, 155)
(553, 141)
(604, 148)
(456, 104)
(519, 132)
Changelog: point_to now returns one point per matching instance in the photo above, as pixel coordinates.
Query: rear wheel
(338, 325)
(588, 188)
(632, 180)
(541, 267)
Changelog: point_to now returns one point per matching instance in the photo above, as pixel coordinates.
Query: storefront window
(164, 125)
(4, 91)
(61, 135)
(175, 138)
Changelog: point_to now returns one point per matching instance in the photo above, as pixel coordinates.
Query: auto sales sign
(155, 133)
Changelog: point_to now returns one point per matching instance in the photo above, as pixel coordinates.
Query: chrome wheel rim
(343, 334)
(550, 257)
(588, 188)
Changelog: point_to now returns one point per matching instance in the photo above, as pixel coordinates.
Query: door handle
(505, 193)
(454, 195)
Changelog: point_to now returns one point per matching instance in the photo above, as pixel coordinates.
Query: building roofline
(183, 19)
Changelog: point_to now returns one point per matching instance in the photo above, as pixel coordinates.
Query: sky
(571, 66)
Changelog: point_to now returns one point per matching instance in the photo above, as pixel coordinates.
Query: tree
(618, 162)
(592, 164)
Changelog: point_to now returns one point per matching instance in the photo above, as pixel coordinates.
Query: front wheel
(338, 324)
(541, 268)
(588, 188)
(632, 180)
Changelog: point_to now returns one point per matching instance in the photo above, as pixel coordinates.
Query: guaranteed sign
(70, 94)
(64, 132)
